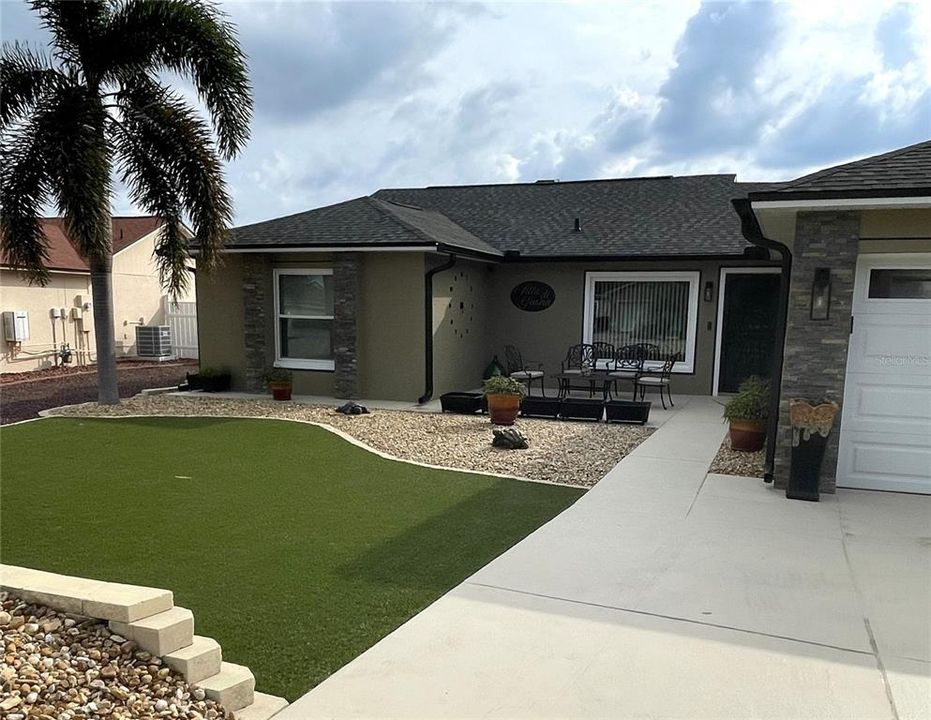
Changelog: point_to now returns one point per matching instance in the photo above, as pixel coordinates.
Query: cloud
(894, 36)
(307, 58)
(711, 99)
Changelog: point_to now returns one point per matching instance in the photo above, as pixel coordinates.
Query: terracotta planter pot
(280, 391)
(747, 435)
(503, 409)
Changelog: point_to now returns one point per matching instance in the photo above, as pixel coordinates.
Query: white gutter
(844, 203)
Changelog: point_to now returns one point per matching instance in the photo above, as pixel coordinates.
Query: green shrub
(502, 385)
(212, 372)
(751, 401)
(277, 376)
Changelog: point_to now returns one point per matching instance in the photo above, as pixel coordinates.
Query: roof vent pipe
(578, 225)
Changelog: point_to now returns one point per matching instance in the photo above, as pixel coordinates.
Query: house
(409, 293)
(61, 311)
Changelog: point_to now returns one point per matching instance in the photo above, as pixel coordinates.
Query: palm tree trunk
(108, 391)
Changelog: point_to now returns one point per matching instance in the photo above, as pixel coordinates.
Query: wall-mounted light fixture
(709, 291)
(821, 294)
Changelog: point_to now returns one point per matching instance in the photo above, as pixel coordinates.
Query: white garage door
(885, 440)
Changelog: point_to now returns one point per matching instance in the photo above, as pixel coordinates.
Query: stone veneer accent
(345, 293)
(815, 362)
(256, 276)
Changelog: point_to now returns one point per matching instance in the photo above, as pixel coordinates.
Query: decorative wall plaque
(533, 296)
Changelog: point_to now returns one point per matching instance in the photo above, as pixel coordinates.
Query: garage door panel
(888, 404)
(886, 462)
(885, 432)
(891, 345)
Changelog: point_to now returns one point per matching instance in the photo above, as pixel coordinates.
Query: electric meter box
(15, 325)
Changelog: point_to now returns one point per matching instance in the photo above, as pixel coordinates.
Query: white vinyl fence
(182, 319)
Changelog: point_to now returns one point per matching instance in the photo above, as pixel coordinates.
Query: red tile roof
(62, 254)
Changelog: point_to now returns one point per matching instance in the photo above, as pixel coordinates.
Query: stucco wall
(391, 326)
(220, 318)
(45, 334)
(544, 336)
(460, 326)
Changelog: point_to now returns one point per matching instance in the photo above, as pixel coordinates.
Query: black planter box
(462, 403)
(535, 406)
(627, 411)
(581, 409)
(209, 383)
(805, 470)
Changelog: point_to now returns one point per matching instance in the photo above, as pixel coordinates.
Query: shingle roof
(905, 172)
(660, 216)
(62, 254)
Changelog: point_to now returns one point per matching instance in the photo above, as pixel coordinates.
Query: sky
(351, 97)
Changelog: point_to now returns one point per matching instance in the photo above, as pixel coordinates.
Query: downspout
(751, 230)
(428, 327)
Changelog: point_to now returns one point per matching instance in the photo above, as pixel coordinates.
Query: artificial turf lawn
(295, 549)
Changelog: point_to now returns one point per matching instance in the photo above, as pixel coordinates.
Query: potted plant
(279, 382)
(811, 424)
(747, 412)
(504, 395)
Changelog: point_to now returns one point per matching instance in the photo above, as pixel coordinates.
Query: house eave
(854, 200)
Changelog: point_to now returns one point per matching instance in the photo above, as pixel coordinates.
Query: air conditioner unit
(153, 340)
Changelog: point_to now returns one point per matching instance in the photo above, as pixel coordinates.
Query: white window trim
(694, 280)
(297, 363)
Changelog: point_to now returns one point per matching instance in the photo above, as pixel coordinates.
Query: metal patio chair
(628, 366)
(657, 379)
(526, 372)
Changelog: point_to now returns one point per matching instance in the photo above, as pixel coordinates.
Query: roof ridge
(379, 206)
(828, 172)
(557, 183)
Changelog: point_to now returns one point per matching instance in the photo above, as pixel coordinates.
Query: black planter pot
(627, 411)
(462, 403)
(581, 409)
(534, 406)
(216, 383)
(194, 381)
(805, 471)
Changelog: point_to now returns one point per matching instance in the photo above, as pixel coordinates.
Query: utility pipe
(428, 327)
(751, 230)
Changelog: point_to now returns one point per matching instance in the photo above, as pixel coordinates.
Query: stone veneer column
(345, 293)
(256, 278)
(816, 350)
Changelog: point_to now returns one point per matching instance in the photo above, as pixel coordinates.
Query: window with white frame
(304, 322)
(656, 309)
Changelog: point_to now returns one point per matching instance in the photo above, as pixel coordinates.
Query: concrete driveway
(667, 592)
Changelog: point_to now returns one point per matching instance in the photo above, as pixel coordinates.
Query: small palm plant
(96, 107)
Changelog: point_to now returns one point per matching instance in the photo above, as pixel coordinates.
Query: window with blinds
(656, 309)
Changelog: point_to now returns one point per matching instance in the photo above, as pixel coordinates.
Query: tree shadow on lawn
(461, 539)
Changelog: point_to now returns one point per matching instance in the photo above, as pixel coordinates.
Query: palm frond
(76, 26)
(25, 77)
(194, 39)
(167, 152)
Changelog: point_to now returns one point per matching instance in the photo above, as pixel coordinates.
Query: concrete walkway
(667, 592)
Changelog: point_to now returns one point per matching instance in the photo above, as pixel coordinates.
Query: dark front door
(748, 327)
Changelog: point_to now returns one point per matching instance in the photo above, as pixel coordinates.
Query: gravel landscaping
(23, 395)
(67, 667)
(574, 453)
(737, 462)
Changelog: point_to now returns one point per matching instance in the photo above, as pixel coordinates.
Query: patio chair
(580, 360)
(658, 379)
(602, 355)
(526, 372)
(628, 366)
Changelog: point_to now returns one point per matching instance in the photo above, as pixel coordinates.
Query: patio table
(588, 381)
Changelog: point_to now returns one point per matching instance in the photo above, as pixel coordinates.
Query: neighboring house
(409, 293)
(61, 312)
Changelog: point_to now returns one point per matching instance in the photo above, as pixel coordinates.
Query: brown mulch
(738, 462)
(23, 400)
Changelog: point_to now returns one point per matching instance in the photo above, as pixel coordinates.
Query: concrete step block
(82, 596)
(233, 687)
(262, 707)
(199, 660)
(160, 634)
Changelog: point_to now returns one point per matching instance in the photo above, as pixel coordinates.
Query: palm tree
(96, 108)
